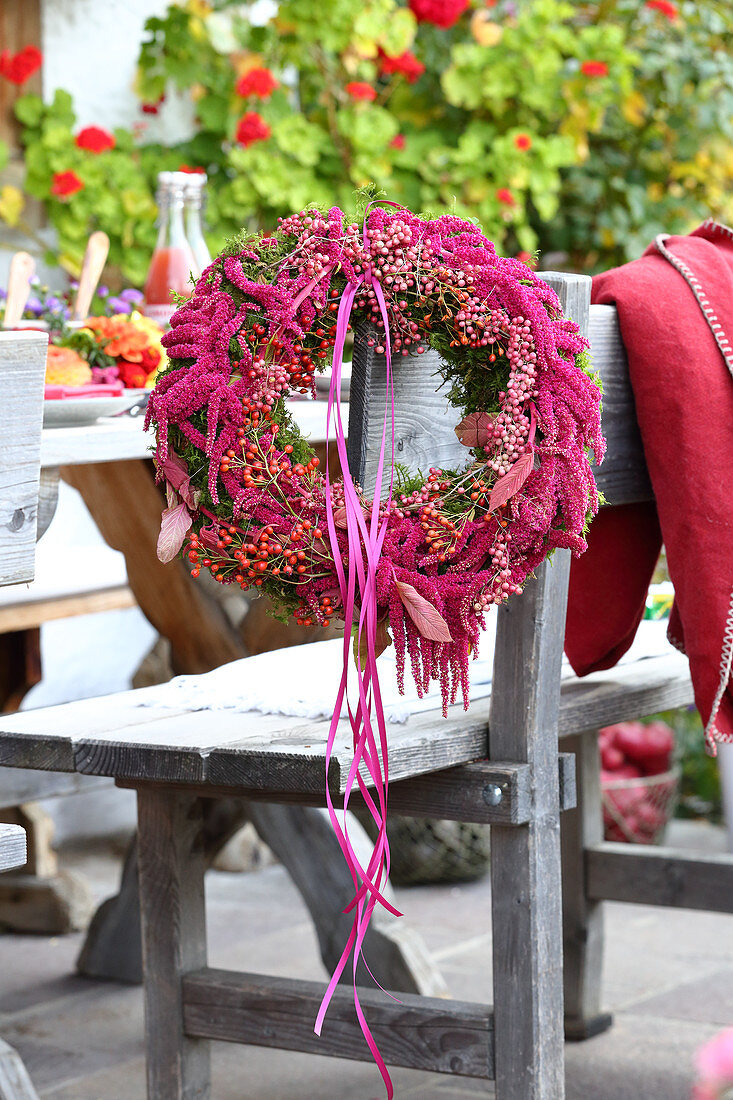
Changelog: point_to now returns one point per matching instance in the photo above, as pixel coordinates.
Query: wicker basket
(636, 811)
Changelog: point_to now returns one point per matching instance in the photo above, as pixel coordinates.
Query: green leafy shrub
(584, 127)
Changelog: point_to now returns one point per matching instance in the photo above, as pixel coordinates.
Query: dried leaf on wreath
(174, 524)
(175, 472)
(473, 430)
(382, 641)
(339, 514)
(209, 536)
(509, 485)
(424, 615)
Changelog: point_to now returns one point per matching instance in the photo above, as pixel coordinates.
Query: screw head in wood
(492, 795)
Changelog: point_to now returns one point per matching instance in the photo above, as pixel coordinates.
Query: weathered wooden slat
(582, 916)
(12, 847)
(463, 793)
(631, 690)
(424, 422)
(433, 1034)
(623, 476)
(22, 371)
(525, 861)
(26, 616)
(171, 869)
(660, 876)
(112, 736)
(24, 785)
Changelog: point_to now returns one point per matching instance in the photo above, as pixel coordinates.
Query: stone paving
(669, 982)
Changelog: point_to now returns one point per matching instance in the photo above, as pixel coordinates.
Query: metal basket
(636, 811)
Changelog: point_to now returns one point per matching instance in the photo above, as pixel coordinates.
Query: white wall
(90, 48)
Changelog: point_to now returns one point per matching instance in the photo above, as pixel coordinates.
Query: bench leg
(527, 956)
(15, 1084)
(582, 917)
(171, 870)
(304, 841)
(526, 891)
(111, 947)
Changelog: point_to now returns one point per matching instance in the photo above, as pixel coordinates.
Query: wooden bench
(498, 764)
(92, 580)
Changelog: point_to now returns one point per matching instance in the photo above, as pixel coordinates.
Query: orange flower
(125, 340)
(65, 367)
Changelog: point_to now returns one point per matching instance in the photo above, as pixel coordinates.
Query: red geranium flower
(523, 142)
(189, 170)
(594, 68)
(95, 139)
(256, 82)
(19, 67)
(397, 142)
(358, 89)
(251, 128)
(150, 358)
(132, 375)
(65, 184)
(407, 64)
(505, 197)
(665, 7)
(441, 13)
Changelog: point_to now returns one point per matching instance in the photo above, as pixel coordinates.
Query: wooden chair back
(525, 700)
(425, 422)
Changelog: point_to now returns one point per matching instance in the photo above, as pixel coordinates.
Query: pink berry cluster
(262, 320)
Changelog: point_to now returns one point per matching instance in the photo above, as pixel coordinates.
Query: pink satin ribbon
(364, 551)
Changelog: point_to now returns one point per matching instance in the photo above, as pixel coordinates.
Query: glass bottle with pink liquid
(173, 261)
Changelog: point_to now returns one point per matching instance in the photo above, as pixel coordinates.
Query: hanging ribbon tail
(357, 579)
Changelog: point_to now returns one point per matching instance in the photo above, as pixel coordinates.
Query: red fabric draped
(675, 308)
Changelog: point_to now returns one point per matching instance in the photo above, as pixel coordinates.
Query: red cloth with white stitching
(683, 389)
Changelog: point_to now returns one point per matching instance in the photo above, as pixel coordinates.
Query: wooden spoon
(22, 269)
(95, 258)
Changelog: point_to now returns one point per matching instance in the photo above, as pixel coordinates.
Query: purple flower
(131, 295)
(55, 305)
(102, 291)
(119, 305)
(34, 306)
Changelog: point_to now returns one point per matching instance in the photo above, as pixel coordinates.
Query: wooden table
(120, 438)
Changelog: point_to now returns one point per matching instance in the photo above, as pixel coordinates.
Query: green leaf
(300, 139)
(29, 110)
(398, 33)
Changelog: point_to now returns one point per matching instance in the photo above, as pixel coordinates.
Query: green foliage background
(614, 159)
